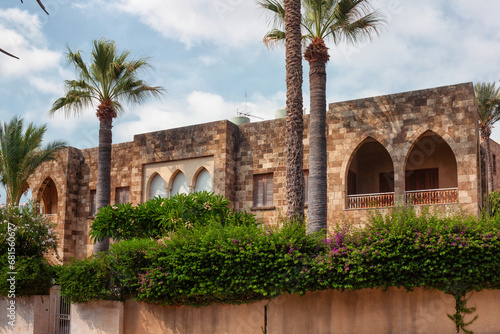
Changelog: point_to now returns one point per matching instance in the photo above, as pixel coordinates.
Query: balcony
(432, 196)
(366, 201)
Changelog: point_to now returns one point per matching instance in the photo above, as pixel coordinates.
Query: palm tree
(289, 16)
(294, 113)
(342, 21)
(20, 155)
(488, 100)
(43, 8)
(110, 79)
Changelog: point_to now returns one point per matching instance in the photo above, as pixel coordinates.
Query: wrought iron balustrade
(365, 201)
(432, 196)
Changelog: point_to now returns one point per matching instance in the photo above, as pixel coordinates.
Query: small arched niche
(203, 181)
(179, 184)
(157, 187)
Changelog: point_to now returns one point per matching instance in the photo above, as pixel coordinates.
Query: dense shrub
(494, 197)
(230, 264)
(452, 254)
(25, 237)
(32, 232)
(217, 263)
(108, 276)
(34, 276)
(158, 216)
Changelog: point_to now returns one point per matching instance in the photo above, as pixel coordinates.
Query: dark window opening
(351, 183)
(263, 190)
(93, 203)
(422, 179)
(386, 182)
(122, 195)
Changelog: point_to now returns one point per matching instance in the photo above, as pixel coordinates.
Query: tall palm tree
(43, 8)
(288, 16)
(21, 153)
(294, 112)
(110, 79)
(341, 21)
(488, 100)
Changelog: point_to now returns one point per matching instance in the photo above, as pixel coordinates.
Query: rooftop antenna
(245, 112)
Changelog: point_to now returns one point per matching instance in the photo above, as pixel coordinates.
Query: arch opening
(179, 184)
(203, 181)
(49, 198)
(370, 177)
(431, 172)
(157, 187)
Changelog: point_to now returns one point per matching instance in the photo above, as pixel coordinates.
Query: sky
(209, 57)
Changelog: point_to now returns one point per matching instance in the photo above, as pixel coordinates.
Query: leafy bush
(229, 264)
(25, 237)
(494, 203)
(108, 276)
(33, 276)
(31, 232)
(217, 263)
(158, 216)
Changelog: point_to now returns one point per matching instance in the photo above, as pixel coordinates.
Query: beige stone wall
(217, 319)
(370, 311)
(399, 122)
(367, 311)
(32, 315)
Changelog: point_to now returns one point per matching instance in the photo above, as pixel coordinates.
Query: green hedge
(216, 263)
(159, 216)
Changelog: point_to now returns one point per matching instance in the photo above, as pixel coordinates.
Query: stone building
(419, 147)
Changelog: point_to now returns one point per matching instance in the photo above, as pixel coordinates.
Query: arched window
(370, 177)
(157, 187)
(203, 181)
(431, 171)
(179, 185)
(49, 197)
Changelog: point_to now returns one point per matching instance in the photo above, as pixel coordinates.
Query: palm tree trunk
(294, 117)
(485, 135)
(103, 189)
(317, 56)
(489, 165)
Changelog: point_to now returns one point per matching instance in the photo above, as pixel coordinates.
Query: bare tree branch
(41, 6)
(8, 54)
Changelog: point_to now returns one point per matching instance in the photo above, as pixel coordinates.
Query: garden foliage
(217, 263)
(158, 216)
(26, 237)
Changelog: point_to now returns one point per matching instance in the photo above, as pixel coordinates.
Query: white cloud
(21, 35)
(224, 22)
(426, 44)
(195, 108)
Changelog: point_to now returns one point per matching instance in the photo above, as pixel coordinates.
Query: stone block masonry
(446, 117)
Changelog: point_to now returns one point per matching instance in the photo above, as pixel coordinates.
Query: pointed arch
(369, 176)
(178, 183)
(202, 180)
(156, 186)
(48, 197)
(431, 173)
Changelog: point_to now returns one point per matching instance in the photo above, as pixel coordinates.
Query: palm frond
(488, 103)
(21, 153)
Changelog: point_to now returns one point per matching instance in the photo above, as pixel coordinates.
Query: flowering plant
(33, 232)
